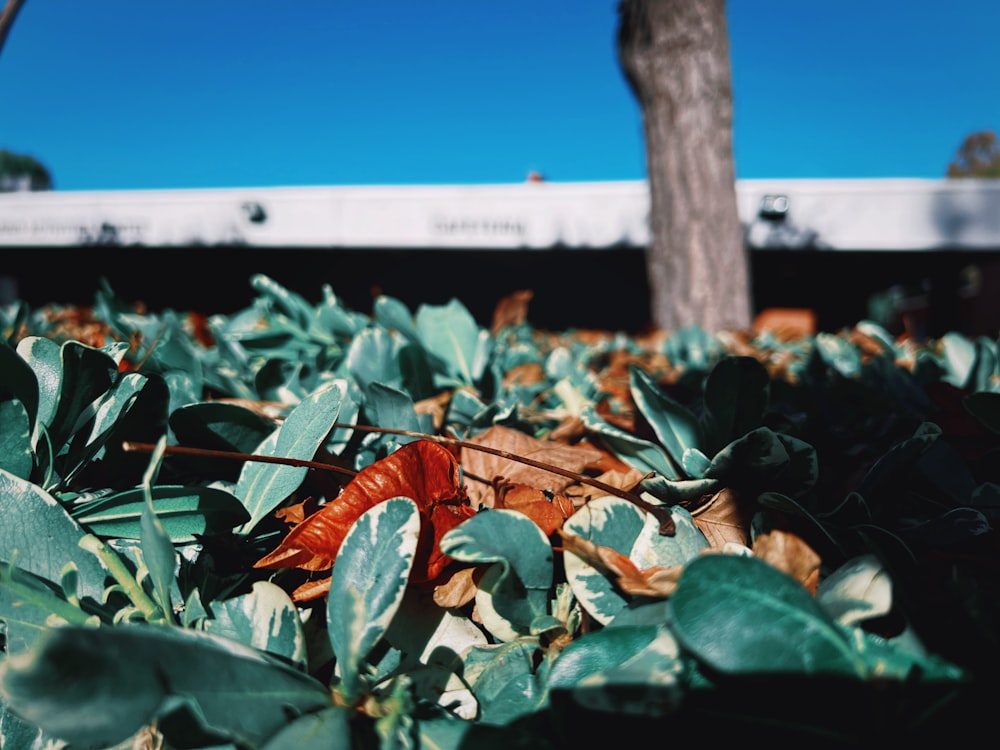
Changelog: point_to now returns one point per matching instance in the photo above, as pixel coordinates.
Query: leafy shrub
(303, 526)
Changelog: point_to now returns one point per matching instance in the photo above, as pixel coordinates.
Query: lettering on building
(473, 226)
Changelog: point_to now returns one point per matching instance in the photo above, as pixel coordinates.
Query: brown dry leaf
(487, 466)
(623, 420)
(607, 461)
(789, 554)
(622, 478)
(656, 582)
(569, 430)
(458, 590)
(511, 311)
(785, 323)
(528, 373)
(870, 347)
(724, 518)
(436, 406)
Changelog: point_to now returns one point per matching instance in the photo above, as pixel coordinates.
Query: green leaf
(18, 380)
(86, 374)
(284, 301)
(885, 659)
(17, 733)
(262, 487)
(368, 583)
(431, 634)
(327, 729)
(602, 650)
(40, 537)
(16, 455)
(392, 314)
(695, 463)
(28, 605)
(450, 334)
(839, 354)
(157, 552)
(764, 460)
(692, 348)
(266, 618)
(675, 426)
(502, 677)
(633, 670)
(985, 407)
(43, 356)
(94, 687)
(644, 455)
(858, 590)
(740, 615)
(373, 357)
(737, 394)
(133, 408)
(958, 354)
(186, 512)
(219, 426)
(899, 460)
(390, 407)
(673, 492)
(515, 591)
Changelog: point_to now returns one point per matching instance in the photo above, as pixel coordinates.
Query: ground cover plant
(304, 526)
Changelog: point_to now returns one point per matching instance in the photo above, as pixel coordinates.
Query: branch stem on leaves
(182, 450)
(660, 512)
(123, 577)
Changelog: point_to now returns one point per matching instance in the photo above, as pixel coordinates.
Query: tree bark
(7, 16)
(675, 56)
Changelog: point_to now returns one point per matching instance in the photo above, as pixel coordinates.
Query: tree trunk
(675, 55)
(7, 16)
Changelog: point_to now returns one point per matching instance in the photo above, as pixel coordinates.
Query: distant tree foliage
(22, 172)
(978, 156)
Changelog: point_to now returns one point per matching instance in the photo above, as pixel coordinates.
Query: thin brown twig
(135, 447)
(660, 512)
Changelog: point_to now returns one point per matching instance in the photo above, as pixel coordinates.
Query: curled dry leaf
(423, 471)
(656, 582)
(459, 589)
(789, 554)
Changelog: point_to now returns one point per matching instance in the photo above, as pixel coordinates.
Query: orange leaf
(548, 514)
(311, 590)
(423, 471)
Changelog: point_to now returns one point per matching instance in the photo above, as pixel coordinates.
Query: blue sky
(137, 94)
